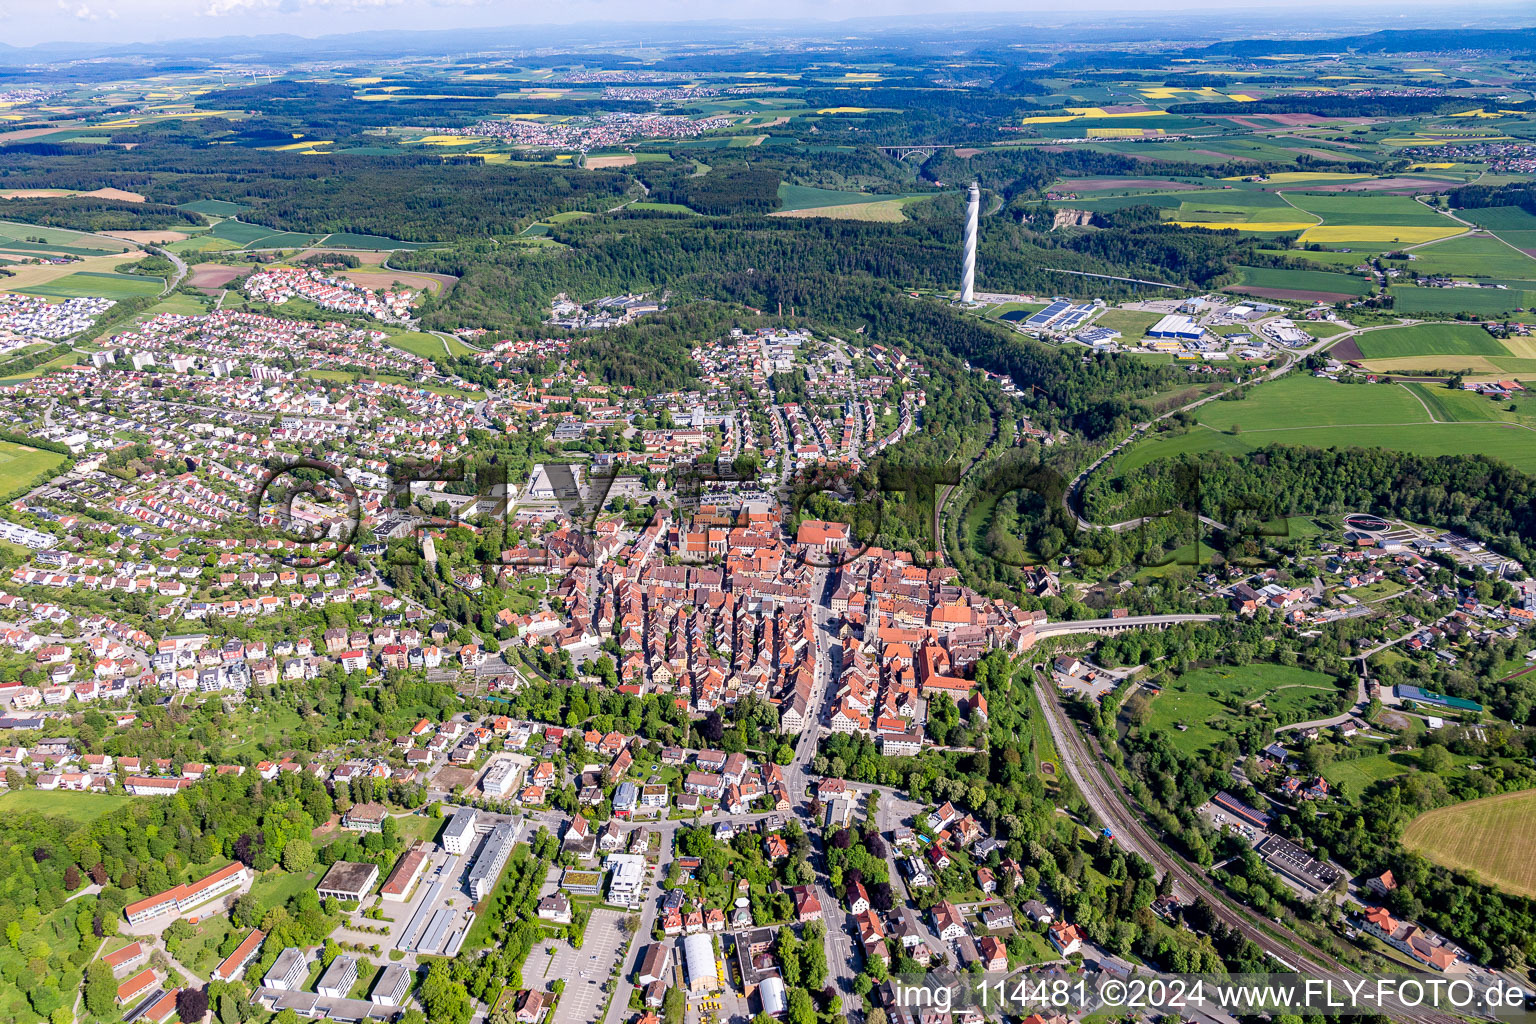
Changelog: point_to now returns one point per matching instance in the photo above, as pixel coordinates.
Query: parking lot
(584, 970)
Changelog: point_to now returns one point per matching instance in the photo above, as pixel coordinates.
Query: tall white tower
(968, 265)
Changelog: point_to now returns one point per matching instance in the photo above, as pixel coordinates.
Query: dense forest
(412, 197)
(1473, 494)
(1475, 197)
(87, 213)
(745, 188)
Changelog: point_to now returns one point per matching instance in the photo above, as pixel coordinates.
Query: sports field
(20, 465)
(1491, 838)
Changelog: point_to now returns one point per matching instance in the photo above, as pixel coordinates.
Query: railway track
(1108, 798)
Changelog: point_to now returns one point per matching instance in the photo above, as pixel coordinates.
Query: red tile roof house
(125, 957)
(136, 986)
(164, 1008)
(807, 906)
(243, 955)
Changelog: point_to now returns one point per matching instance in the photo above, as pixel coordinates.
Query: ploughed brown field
(210, 277)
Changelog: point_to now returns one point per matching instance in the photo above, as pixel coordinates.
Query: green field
(276, 887)
(1323, 414)
(804, 197)
(67, 359)
(1198, 709)
(1131, 323)
(257, 236)
(1459, 406)
(1515, 225)
(13, 235)
(662, 207)
(1430, 340)
(1327, 257)
(428, 346)
(1366, 208)
(391, 378)
(1411, 300)
(1303, 281)
(58, 803)
(1491, 839)
(352, 240)
(107, 286)
(214, 208)
(239, 232)
(20, 465)
(1361, 772)
(1471, 256)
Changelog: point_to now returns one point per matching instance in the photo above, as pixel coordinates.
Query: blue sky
(27, 22)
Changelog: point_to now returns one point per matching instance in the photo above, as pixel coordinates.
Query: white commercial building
(1175, 325)
(627, 875)
(288, 971)
(339, 977)
(500, 778)
(493, 857)
(460, 833)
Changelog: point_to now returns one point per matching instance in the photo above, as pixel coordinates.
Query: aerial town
(918, 521)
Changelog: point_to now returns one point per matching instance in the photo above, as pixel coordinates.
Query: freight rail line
(1106, 795)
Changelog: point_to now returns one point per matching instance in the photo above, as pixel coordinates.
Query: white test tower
(968, 265)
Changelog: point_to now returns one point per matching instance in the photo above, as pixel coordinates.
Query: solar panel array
(1060, 315)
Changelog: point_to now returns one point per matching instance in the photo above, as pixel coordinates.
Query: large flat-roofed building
(392, 986)
(182, 898)
(493, 857)
(627, 875)
(348, 881)
(460, 833)
(403, 878)
(500, 778)
(338, 978)
(288, 971)
(1176, 326)
(703, 969)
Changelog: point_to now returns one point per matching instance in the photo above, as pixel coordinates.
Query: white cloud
(84, 12)
(221, 8)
